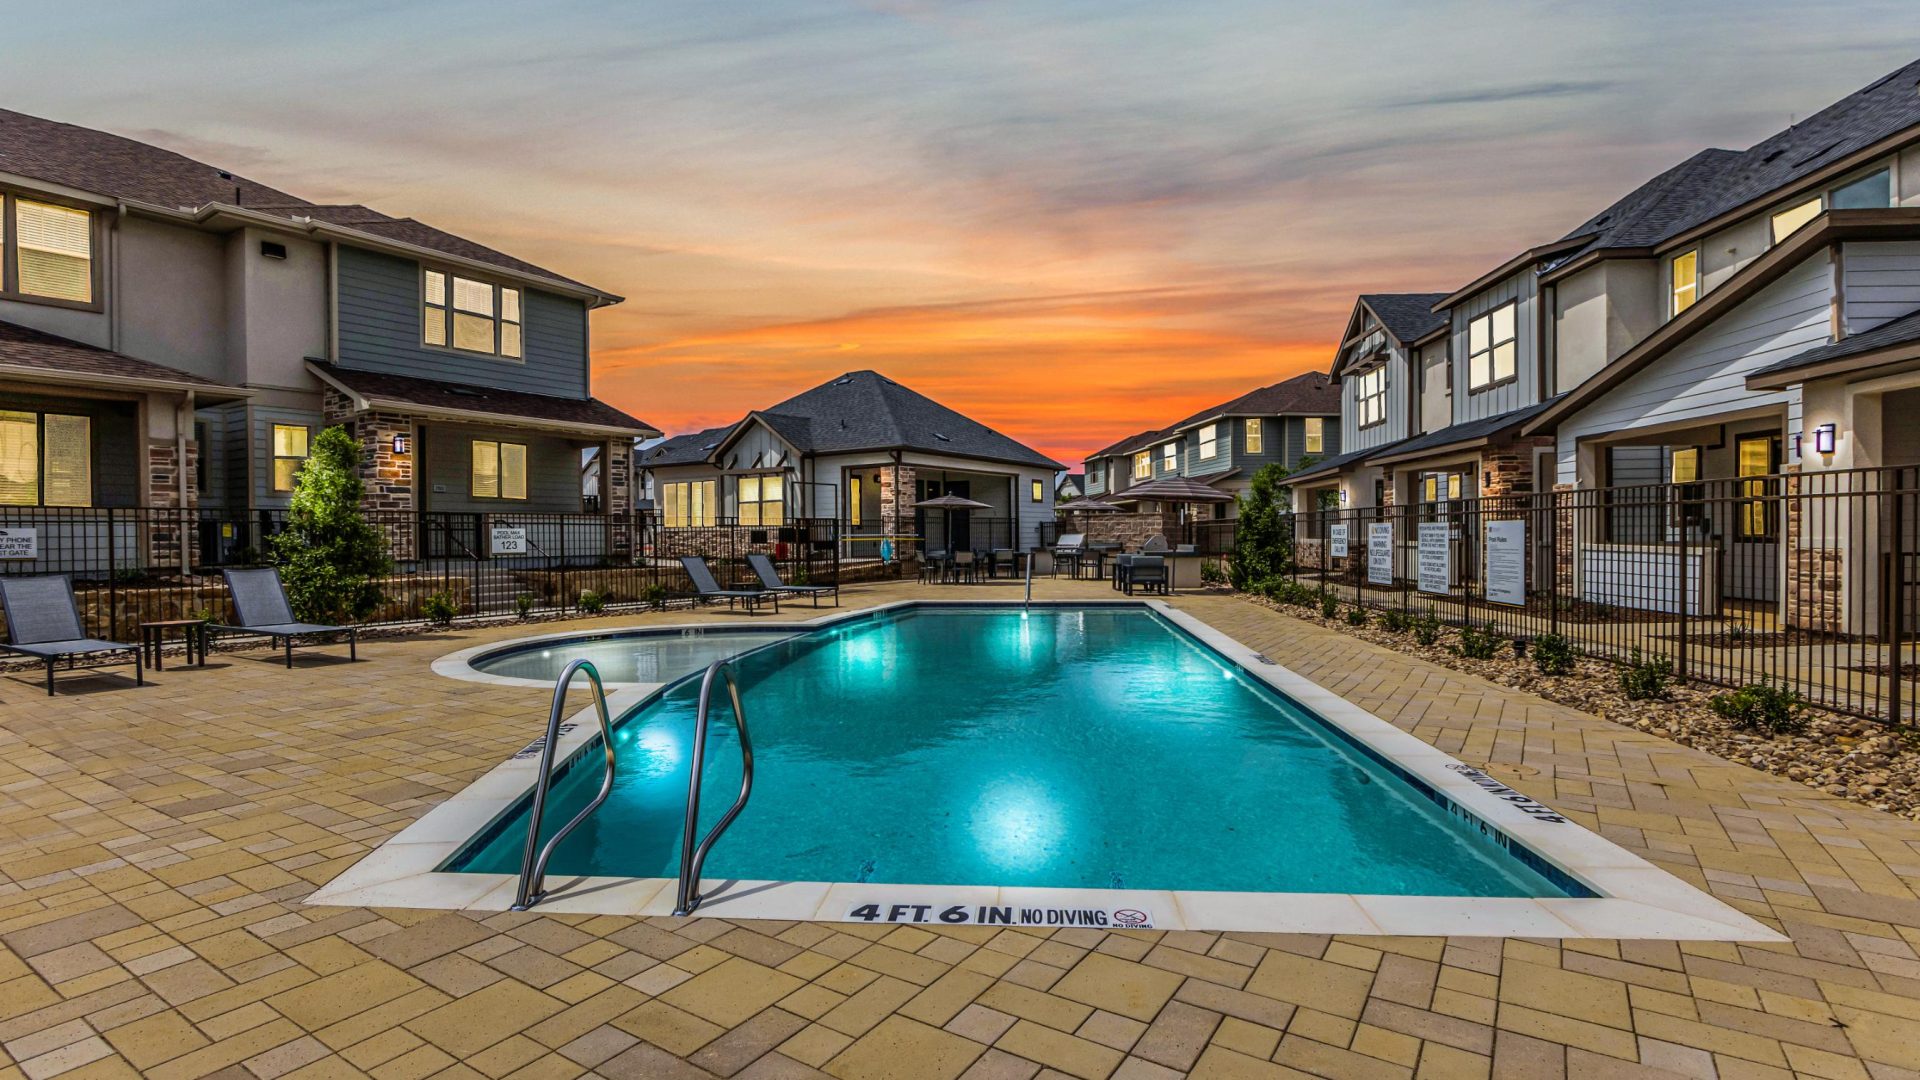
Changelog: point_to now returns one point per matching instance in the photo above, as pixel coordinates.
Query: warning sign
(1122, 918)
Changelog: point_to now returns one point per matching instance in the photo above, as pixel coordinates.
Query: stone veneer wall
(618, 478)
(1128, 530)
(1816, 576)
(164, 530)
(896, 504)
(388, 476)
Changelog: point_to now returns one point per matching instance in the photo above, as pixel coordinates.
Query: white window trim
(446, 310)
(1493, 348)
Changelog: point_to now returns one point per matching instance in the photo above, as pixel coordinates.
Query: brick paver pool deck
(156, 846)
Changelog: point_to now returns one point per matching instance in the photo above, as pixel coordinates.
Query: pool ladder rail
(692, 857)
(533, 865)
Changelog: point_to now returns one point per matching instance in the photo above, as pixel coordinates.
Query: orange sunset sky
(1069, 220)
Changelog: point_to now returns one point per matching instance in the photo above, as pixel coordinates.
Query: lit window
(52, 251)
(289, 453)
(1370, 397)
(1788, 221)
(46, 459)
(1039, 491)
(499, 470)
(1142, 465)
(762, 501)
(1871, 192)
(1491, 347)
(1685, 284)
(471, 315)
(1686, 466)
(853, 500)
(1209, 440)
(1316, 435)
(1756, 456)
(688, 503)
(1253, 437)
(1170, 457)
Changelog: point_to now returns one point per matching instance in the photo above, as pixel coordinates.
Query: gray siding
(261, 449)
(1524, 389)
(379, 298)
(1394, 428)
(1882, 283)
(553, 471)
(1225, 455)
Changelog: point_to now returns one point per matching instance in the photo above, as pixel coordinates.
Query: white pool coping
(1636, 899)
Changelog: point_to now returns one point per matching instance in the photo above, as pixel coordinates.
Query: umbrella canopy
(951, 502)
(1086, 503)
(1174, 489)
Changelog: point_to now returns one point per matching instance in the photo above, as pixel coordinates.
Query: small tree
(1263, 537)
(330, 556)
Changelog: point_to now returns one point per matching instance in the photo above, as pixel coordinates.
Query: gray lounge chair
(260, 605)
(709, 589)
(770, 577)
(44, 621)
(1147, 572)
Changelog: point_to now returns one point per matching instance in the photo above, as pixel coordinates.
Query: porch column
(386, 472)
(616, 494)
(897, 485)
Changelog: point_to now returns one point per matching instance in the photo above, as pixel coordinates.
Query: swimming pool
(1072, 748)
(647, 656)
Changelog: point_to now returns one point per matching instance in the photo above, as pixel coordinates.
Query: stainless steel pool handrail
(533, 865)
(693, 858)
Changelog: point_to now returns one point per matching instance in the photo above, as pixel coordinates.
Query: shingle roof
(1129, 444)
(864, 410)
(1339, 461)
(1312, 393)
(689, 449)
(509, 405)
(122, 168)
(1407, 316)
(22, 347)
(1713, 182)
(1466, 430)
(1901, 331)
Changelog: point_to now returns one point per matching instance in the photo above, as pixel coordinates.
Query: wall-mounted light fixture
(400, 444)
(1796, 444)
(1823, 437)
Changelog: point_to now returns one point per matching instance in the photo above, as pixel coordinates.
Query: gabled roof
(375, 389)
(1312, 393)
(110, 165)
(691, 449)
(1407, 316)
(1136, 441)
(24, 350)
(1884, 343)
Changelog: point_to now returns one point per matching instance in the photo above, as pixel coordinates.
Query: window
(1686, 466)
(1370, 397)
(1039, 492)
(1871, 192)
(49, 251)
(485, 318)
(46, 459)
(1684, 281)
(1209, 440)
(499, 470)
(688, 503)
(1253, 437)
(1142, 465)
(289, 453)
(762, 500)
(1756, 456)
(1316, 435)
(853, 500)
(1788, 221)
(1170, 457)
(1491, 348)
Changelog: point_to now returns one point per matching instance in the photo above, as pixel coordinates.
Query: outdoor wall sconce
(400, 444)
(1796, 444)
(1823, 439)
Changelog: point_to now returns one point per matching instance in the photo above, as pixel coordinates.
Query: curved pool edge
(1633, 898)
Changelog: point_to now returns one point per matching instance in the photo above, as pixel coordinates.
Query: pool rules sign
(1436, 557)
(1507, 562)
(1122, 918)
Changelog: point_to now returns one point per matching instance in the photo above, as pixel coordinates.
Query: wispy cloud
(1496, 94)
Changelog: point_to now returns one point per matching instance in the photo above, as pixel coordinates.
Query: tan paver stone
(1033, 1005)
(330, 998)
(472, 1023)
(1119, 986)
(903, 1049)
(1070, 1054)
(1566, 993)
(665, 1026)
(1302, 980)
(731, 991)
(157, 1038)
(1177, 1036)
(815, 1045)
(1250, 1039)
(1223, 1063)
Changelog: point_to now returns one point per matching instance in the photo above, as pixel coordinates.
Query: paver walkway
(155, 846)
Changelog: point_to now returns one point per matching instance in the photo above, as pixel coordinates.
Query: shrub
(591, 602)
(1477, 643)
(1211, 574)
(440, 608)
(1263, 537)
(1763, 707)
(1645, 680)
(1397, 621)
(523, 604)
(331, 558)
(1553, 654)
(1426, 630)
(1329, 607)
(1356, 616)
(654, 595)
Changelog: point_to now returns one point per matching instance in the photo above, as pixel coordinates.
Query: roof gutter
(1845, 365)
(364, 402)
(209, 391)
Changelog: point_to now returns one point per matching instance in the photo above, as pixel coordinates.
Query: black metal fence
(1803, 580)
(141, 564)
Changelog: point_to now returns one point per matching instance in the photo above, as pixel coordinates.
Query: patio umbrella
(1087, 502)
(948, 504)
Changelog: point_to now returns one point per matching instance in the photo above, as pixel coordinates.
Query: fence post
(113, 578)
(1553, 562)
(1895, 577)
(1679, 519)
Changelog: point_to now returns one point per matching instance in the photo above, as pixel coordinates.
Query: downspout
(113, 277)
(182, 423)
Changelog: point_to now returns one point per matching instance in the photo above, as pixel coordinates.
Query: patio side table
(153, 639)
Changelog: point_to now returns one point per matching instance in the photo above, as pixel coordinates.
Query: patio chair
(933, 566)
(261, 608)
(965, 566)
(1147, 572)
(43, 621)
(1003, 558)
(710, 590)
(770, 577)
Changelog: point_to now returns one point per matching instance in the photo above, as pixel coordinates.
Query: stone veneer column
(165, 528)
(388, 477)
(616, 479)
(1816, 576)
(897, 485)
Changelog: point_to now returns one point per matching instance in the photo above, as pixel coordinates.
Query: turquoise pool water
(1087, 747)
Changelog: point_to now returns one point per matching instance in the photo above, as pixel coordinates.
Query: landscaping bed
(1849, 757)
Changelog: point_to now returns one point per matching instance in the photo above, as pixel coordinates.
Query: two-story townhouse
(1112, 469)
(860, 449)
(1392, 376)
(1224, 445)
(173, 336)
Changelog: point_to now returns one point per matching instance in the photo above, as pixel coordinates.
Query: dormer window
(49, 251)
(469, 315)
(1683, 283)
(1491, 345)
(1370, 397)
